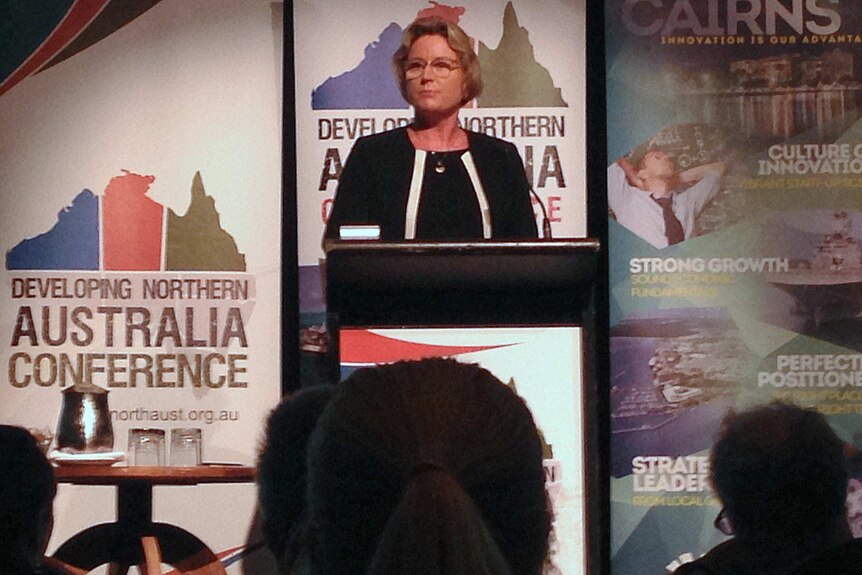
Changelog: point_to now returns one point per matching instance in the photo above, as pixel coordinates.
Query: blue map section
(371, 85)
(72, 244)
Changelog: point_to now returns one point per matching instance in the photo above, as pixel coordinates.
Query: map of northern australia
(125, 230)
(512, 75)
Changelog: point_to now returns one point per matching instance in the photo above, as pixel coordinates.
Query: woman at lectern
(433, 180)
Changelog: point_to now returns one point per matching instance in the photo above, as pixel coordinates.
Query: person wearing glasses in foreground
(780, 472)
(432, 179)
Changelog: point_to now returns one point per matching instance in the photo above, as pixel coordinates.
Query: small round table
(134, 539)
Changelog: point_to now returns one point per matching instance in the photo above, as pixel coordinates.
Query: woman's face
(438, 89)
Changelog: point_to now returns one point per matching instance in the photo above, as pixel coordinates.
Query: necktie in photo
(672, 227)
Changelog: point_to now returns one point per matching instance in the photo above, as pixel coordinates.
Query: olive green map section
(196, 241)
(513, 78)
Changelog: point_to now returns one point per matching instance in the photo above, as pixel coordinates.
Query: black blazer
(375, 182)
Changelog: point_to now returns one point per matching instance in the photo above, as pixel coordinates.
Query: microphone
(546, 221)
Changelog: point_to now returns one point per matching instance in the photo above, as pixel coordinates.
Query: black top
(449, 208)
(375, 183)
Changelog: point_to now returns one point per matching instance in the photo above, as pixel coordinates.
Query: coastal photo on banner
(141, 232)
(735, 217)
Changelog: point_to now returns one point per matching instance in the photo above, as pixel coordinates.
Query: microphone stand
(546, 221)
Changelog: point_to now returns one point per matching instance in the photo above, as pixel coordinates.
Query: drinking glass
(186, 447)
(147, 447)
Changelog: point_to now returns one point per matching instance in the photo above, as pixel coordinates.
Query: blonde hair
(458, 41)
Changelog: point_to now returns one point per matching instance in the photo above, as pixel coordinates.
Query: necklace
(439, 166)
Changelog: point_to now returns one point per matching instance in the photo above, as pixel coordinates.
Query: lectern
(539, 282)
(498, 284)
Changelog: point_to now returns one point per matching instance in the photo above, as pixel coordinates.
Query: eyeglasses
(440, 68)
(722, 522)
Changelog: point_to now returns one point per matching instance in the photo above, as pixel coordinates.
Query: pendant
(439, 166)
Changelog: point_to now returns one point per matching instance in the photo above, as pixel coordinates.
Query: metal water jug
(85, 421)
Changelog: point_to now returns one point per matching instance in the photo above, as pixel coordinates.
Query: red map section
(131, 225)
(360, 347)
(449, 13)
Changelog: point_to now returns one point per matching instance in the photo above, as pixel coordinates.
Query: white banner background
(190, 86)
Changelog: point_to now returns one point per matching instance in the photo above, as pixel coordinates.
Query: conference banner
(734, 187)
(141, 232)
(532, 56)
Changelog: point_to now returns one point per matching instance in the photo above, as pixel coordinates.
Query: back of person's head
(779, 469)
(27, 490)
(427, 467)
(281, 475)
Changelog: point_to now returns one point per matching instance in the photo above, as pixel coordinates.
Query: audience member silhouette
(281, 473)
(780, 472)
(428, 468)
(27, 490)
